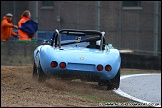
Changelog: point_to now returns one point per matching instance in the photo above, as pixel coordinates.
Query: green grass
(76, 80)
(89, 97)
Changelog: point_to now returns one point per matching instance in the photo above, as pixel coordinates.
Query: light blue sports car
(87, 57)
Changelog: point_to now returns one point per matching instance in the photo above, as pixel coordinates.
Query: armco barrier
(17, 53)
(21, 53)
(140, 61)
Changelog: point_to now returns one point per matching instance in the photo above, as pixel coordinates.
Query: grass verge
(89, 97)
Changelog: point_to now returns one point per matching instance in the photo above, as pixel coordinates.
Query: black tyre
(38, 73)
(34, 71)
(114, 83)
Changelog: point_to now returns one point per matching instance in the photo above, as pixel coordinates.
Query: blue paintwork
(72, 56)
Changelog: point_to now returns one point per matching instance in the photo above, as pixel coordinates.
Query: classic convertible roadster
(87, 57)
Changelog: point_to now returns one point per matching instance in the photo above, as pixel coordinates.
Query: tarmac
(142, 88)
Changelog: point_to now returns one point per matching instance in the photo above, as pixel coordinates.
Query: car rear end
(81, 62)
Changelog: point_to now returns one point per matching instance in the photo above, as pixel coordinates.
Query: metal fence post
(155, 28)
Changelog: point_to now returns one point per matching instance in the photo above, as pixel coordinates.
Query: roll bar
(57, 35)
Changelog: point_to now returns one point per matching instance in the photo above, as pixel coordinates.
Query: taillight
(108, 68)
(54, 64)
(62, 65)
(99, 67)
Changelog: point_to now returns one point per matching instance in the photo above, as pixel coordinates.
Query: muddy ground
(18, 89)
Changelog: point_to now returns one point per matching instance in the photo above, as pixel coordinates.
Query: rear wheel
(34, 70)
(115, 82)
(38, 73)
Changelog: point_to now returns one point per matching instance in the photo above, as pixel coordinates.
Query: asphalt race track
(143, 88)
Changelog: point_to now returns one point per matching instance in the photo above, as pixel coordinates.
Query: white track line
(120, 92)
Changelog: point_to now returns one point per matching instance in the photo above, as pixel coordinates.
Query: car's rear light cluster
(99, 67)
(108, 68)
(54, 64)
(62, 65)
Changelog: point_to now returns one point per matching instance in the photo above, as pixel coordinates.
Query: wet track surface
(144, 88)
